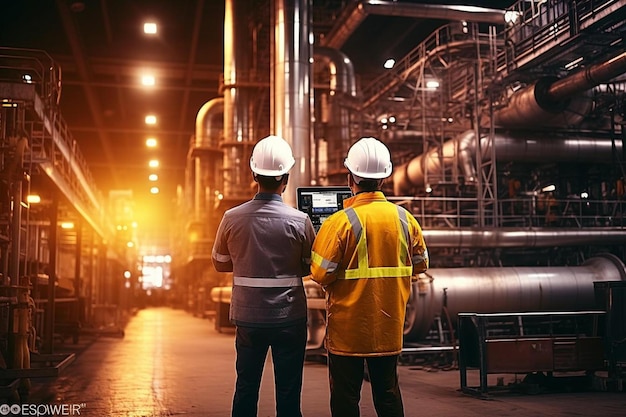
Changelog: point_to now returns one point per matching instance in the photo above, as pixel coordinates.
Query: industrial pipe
(520, 237)
(355, 13)
(505, 290)
(209, 131)
(290, 95)
(522, 148)
(548, 97)
(334, 117)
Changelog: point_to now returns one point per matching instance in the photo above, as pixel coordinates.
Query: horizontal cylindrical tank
(504, 290)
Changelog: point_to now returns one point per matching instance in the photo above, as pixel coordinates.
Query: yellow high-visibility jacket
(364, 257)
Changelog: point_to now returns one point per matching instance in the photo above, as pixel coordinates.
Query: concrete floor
(171, 363)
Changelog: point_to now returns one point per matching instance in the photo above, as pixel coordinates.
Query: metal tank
(450, 291)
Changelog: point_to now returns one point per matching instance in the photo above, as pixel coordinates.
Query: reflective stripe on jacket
(364, 256)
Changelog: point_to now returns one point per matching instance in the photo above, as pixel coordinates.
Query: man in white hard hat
(364, 256)
(267, 246)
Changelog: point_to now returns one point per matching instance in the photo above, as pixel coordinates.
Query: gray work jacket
(267, 245)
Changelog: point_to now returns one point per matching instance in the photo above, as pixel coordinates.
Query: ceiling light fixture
(432, 84)
(151, 119)
(151, 143)
(150, 28)
(33, 199)
(148, 80)
(389, 63)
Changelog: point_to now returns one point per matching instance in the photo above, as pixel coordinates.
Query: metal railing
(51, 144)
(531, 211)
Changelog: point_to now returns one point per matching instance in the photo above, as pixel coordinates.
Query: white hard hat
(369, 158)
(272, 157)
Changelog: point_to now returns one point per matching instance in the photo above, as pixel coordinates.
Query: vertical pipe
(290, 87)
(337, 122)
(89, 301)
(237, 118)
(16, 235)
(78, 250)
(48, 342)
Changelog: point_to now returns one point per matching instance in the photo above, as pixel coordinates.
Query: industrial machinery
(506, 129)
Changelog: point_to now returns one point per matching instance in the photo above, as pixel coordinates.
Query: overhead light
(154, 190)
(574, 63)
(33, 199)
(154, 163)
(389, 63)
(151, 119)
(432, 84)
(511, 17)
(27, 78)
(148, 80)
(153, 177)
(150, 28)
(67, 225)
(151, 142)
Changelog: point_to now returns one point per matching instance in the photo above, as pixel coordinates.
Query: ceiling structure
(102, 51)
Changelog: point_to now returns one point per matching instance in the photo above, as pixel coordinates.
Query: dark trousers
(288, 347)
(346, 377)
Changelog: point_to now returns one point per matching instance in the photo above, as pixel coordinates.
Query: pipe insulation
(518, 147)
(506, 290)
(541, 101)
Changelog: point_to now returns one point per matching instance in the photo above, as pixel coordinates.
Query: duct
(290, 96)
(210, 122)
(520, 237)
(588, 78)
(209, 125)
(413, 173)
(506, 290)
(237, 119)
(541, 101)
(336, 118)
(535, 149)
(356, 12)
(532, 104)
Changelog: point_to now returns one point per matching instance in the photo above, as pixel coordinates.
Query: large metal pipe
(210, 123)
(209, 130)
(238, 123)
(587, 78)
(526, 148)
(356, 12)
(290, 85)
(334, 117)
(503, 290)
(547, 97)
(520, 237)
(533, 103)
